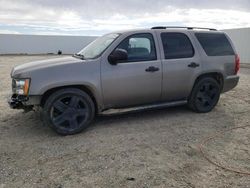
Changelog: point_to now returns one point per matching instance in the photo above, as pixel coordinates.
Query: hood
(23, 69)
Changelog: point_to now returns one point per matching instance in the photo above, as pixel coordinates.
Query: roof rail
(180, 27)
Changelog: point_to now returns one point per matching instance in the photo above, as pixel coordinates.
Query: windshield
(95, 48)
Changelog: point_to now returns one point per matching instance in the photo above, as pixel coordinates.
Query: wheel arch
(218, 76)
(84, 88)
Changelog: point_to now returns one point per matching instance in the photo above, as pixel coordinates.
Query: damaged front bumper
(23, 102)
(18, 101)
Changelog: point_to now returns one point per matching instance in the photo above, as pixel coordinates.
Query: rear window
(176, 45)
(215, 44)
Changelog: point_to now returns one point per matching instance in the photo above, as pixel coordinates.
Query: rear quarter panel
(210, 64)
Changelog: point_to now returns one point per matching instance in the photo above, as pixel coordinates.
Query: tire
(68, 111)
(205, 95)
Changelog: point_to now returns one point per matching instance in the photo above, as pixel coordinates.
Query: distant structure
(42, 44)
(241, 40)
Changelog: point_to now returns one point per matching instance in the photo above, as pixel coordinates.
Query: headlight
(21, 86)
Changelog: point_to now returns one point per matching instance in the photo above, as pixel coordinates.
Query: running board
(143, 107)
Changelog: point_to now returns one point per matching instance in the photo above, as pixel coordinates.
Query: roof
(169, 28)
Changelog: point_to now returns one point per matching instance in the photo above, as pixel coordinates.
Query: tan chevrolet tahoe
(151, 67)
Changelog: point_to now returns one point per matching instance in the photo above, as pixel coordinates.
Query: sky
(97, 17)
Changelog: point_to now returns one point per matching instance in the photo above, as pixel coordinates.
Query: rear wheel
(68, 111)
(205, 95)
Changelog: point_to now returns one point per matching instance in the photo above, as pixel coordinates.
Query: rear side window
(176, 45)
(215, 44)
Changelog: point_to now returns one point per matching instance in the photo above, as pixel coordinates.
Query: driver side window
(140, 47)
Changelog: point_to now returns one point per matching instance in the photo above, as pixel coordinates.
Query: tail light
(237, 63)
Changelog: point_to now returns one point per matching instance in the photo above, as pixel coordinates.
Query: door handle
(152, 69)
(193, 65)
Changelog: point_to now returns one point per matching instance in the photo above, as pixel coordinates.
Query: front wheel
(68, 111)
(205, 95)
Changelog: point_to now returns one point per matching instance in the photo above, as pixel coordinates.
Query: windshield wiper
(79, 56)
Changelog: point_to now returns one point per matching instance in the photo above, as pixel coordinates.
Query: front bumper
(230, 82)
(23, 102)
(17, 102)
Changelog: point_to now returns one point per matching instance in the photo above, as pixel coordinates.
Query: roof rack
(180, 27)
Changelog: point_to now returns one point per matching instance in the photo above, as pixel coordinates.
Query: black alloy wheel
(69, 111)
(205, 95)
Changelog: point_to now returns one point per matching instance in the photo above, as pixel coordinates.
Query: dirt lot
(153, 148)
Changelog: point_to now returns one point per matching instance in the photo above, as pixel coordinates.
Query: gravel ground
(151, 148)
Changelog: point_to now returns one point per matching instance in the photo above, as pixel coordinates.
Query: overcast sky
(96, 17)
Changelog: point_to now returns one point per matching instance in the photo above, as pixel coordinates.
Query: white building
(241, 40)
(42, 44)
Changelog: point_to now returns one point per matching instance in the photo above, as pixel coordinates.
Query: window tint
(140, 47)
(176, 45)
(215, 44)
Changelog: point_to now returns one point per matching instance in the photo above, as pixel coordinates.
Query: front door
(136, 80)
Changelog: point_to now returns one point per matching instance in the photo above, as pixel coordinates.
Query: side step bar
(143, 107)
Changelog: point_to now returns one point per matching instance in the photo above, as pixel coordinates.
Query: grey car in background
(150, 67)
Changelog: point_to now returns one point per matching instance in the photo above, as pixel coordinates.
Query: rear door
(181, 64)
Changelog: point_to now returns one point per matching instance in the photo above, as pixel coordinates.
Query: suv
(161, 66)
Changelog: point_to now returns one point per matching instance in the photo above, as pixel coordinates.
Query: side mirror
(117, 56)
